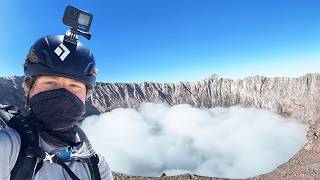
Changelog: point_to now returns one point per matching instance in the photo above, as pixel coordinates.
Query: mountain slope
(294, 97)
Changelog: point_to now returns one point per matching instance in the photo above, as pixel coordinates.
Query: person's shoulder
(10, 141)
(105, 171)
(8, 136)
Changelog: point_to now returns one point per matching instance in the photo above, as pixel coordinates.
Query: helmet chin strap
(28, 95)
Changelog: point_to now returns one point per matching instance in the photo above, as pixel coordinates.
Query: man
(47, 143)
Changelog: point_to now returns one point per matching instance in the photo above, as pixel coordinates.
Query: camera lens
(72, 14)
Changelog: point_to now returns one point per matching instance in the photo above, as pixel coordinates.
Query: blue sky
(175, 40)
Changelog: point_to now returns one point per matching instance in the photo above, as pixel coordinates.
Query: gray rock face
(293, 97)
(11, 91)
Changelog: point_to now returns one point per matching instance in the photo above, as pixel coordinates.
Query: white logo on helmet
(62, 51)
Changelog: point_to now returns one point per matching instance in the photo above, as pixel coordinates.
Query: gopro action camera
(77, 19)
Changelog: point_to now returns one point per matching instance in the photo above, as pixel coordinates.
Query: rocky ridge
(292, 97)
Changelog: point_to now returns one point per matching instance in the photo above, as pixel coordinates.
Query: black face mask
(58, 110)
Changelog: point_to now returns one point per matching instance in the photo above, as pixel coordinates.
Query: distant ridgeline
(294, 97)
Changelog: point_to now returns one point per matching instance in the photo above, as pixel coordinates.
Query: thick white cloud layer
(222, 142)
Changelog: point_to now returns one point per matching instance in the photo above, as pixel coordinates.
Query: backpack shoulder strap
(27, 159)
(93, 167)
(93, 160)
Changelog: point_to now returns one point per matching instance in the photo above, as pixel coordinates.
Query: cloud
(230, 142)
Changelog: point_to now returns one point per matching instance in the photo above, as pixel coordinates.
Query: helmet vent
(47, 59)
(88, 69)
